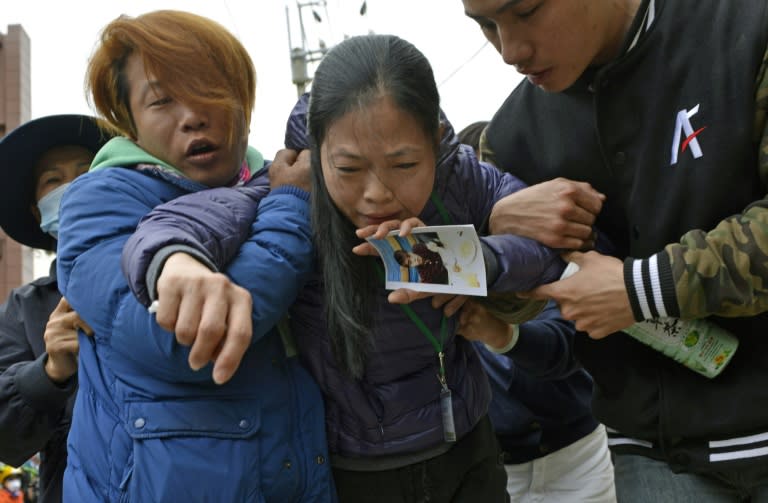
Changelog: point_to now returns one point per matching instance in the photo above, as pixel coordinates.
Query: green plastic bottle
(700, 345)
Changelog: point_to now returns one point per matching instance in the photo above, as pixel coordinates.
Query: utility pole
(304, 54)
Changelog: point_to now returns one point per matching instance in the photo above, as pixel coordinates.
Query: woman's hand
(448, 302)
(381, 230)
(477, 324)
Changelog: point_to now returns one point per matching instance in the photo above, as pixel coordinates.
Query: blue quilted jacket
(147, 428)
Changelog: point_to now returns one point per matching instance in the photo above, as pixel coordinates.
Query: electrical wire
(232, 19)
(465, 63)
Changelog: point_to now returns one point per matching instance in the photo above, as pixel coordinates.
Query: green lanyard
(438, 345)
(440, 208)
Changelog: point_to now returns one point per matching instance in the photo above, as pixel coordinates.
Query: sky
(472, 79)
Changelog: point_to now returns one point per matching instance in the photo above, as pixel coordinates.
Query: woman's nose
(376, 189)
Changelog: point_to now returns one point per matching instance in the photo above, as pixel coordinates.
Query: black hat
(19, 152)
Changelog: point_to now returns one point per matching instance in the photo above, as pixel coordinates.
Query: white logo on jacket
(683, 124)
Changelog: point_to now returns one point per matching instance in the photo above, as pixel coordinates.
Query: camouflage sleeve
(721, 272)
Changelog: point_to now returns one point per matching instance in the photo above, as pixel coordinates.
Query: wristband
(512, 341)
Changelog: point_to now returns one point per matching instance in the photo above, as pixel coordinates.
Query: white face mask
(13, 485)
(49, 210)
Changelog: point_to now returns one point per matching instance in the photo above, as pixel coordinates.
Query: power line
(465, 63)
(232, 19)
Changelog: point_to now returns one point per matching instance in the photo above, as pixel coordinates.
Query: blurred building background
(16, 260)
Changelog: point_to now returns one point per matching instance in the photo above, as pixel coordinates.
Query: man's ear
(36, 212)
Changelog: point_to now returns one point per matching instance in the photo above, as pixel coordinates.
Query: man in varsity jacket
(660, 106)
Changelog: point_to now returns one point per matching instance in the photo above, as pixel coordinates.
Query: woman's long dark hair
(350, 77)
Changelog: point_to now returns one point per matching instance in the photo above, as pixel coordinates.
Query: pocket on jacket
(193, 450)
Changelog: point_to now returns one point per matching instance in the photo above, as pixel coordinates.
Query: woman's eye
(406, 165)
(161, 101)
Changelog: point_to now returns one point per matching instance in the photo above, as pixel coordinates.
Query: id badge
(446, 407)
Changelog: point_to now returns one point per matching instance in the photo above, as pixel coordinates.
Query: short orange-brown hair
(200, 62)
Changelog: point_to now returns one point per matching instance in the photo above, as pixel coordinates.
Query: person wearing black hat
(38, 328)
